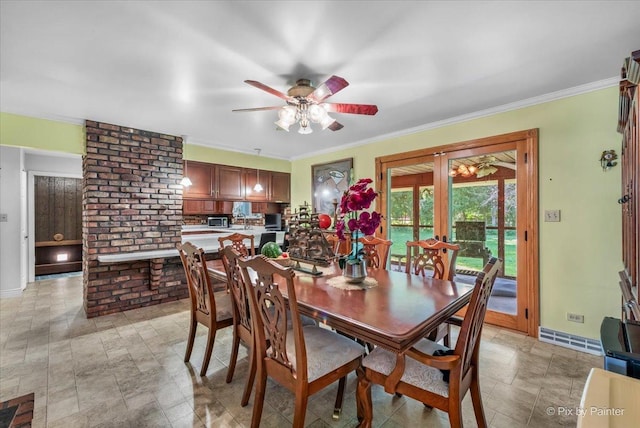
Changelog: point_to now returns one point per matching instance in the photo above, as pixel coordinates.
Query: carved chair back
(376, 251)
(239, 300)
(467, 345)
(236, 240)
(199, 283)
(269, 314)
(431, 254)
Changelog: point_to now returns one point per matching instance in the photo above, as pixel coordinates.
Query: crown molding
(541, 99)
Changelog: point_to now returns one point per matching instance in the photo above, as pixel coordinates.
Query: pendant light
(258, 187)
(185, 182)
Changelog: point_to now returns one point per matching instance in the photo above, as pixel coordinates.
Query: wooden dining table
(396, 313)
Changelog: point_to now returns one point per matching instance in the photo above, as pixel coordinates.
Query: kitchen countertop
(207, 240)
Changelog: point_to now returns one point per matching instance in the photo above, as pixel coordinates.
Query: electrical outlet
(575, 318)
(4, 218)
(552, 215)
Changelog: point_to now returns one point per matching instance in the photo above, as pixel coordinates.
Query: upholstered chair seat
(415, 373)
(325, 350)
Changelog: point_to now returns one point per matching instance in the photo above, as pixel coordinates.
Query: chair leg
(234, 355)
(300, 409)
(455, 414)
(476, 399)
(258, 400)
(250, 378)
(363, 400)
(207, 355)
(192, 336)
(337, 408)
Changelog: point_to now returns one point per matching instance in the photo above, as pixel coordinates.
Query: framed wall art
(328, 183)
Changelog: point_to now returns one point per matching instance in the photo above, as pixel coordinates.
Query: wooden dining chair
(302, 359)
(431, 254)
(209, 308)
(236, 240)
(376, 251)
(242, 324)
(335, 242)
(431, 373)
(440, 258)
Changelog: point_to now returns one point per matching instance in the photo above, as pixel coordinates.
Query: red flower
(358, 197)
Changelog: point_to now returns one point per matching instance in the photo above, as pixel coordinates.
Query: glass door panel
(483, 221)
(411, 206)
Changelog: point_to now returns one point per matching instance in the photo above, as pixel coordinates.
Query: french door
(481, 195)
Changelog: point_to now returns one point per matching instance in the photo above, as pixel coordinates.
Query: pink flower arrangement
(354, 201)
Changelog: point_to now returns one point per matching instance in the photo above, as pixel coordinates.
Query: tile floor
(126, 370)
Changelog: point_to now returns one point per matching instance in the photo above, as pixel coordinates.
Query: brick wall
(132, 201)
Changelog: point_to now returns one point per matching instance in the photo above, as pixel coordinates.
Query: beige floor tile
(127, 370)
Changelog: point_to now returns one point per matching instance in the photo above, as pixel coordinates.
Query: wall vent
(590, 346)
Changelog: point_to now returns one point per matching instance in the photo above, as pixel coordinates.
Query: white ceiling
(178, 67)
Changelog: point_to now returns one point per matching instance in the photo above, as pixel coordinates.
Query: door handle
(444, 239)
(437, 238)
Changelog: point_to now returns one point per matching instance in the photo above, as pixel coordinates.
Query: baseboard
(571, 341)
(14, 292)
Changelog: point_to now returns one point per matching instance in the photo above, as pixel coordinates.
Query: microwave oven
(218, 221)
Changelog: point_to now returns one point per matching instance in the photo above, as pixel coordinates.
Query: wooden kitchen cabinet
(280, 189)
(250, 180)
(206, 206)
(213, 181)
(228, 183)
(199, 206)
(201, 176)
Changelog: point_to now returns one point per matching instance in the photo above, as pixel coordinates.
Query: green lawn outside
(401, 234)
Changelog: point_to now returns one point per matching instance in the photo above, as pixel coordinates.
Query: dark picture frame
(328, 182)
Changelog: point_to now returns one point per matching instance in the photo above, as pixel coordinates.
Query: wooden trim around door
(530, 227)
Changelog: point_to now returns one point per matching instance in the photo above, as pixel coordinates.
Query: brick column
(132, 201)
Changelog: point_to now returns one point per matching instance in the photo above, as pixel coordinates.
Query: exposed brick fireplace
(132, 202)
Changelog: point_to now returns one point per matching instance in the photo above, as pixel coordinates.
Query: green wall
(580, 256)
(41, 134)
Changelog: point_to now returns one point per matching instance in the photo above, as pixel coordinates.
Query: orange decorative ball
(324, 221)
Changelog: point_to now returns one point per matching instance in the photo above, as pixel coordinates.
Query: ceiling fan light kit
(305, 105)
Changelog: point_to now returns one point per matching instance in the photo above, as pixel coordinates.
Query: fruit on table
(271, 250)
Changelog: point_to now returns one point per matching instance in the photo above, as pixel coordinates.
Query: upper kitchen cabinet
(212, 181)
(201, 176)
(280, 187)
(229, 183)
(251, 177)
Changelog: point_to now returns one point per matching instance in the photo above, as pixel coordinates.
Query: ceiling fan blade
(504, 164)
(335, 126)
(369, 109)
(259, 108)
(268, 89)
(328, 88)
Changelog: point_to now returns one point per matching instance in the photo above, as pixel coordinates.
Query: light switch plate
(4, 218)
(552, 215)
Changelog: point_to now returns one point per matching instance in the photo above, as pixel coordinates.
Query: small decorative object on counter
(324, 221)
(354, 217)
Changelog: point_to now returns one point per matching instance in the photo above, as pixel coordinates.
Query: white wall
(11, 165)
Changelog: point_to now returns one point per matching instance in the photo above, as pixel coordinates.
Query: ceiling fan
(305, 104)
